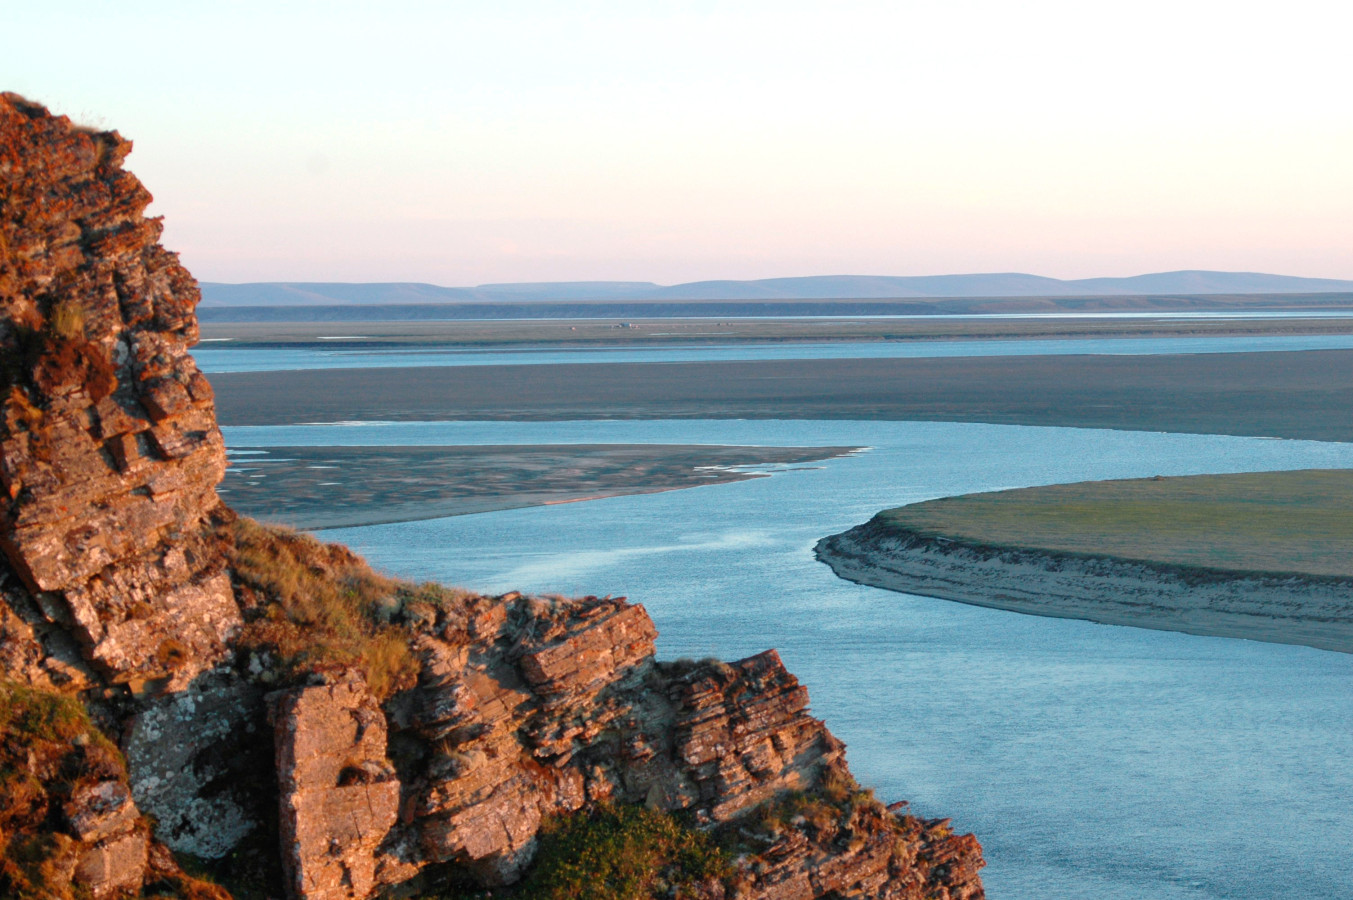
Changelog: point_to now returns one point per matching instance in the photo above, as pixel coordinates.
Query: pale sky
(463, 143)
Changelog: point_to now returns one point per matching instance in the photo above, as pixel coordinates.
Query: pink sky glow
(460, 143)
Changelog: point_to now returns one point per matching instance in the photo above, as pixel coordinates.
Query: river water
(1092, 761)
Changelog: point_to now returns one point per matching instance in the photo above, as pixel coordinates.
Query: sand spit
(1286, 609)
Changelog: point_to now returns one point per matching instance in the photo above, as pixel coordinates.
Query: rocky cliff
(109, 451)
(288, 719)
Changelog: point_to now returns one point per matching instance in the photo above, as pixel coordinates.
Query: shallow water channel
(1092, 761)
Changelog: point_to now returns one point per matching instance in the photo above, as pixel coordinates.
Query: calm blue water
(1092, 761)
(221, 357)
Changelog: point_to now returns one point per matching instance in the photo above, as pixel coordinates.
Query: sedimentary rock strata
(528, 707)
(109, 450)
(121, 585)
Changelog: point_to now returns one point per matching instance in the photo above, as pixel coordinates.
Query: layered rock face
(118, 587)
(109, 450)
(530, 707)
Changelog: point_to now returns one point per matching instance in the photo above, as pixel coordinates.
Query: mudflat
(1302, 394)
(334, 487)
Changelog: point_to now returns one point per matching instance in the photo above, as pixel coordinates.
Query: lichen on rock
(69, 826)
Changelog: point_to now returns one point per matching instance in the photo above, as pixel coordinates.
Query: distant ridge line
(818, 287)
(670, 309)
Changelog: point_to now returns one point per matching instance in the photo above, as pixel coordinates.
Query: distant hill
(822, 287)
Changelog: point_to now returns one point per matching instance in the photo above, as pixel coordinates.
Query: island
(1258, 555)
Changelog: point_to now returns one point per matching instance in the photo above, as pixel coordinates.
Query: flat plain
(894, 309)
(641, 332)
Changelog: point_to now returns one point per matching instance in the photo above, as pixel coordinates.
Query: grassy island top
(1299, 522)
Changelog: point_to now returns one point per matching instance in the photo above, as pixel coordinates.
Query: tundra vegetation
(311, 606)
(1271, 522)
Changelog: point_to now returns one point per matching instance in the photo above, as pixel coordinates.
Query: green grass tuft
(622, 853)
(312, 607)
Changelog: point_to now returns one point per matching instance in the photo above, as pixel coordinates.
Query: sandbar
(335, 487)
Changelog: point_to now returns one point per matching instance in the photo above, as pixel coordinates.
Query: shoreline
(1284, 608)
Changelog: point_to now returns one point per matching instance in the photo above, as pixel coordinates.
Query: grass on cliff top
(48, 748)
(312, 607)
(1288, 522)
